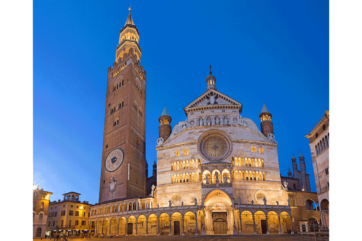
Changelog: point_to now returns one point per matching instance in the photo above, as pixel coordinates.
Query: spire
(165, 112)
(293, 157)
(129, 18)
(154, 162)
(264, 109)
(301, 154)
(289, 172)
(211, 81)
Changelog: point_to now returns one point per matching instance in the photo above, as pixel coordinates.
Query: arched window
(41, 217)
(33, 216)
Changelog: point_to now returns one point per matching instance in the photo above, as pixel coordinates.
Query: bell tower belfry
(123, 169)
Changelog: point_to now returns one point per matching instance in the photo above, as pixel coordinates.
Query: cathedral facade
(216, 171)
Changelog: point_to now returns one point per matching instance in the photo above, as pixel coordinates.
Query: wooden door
(130, 228)
(263, 226)
(220, 227)
(176, 228)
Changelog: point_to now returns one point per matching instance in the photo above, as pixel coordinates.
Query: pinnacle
(165, 112)
(129, 18)
(264, 109)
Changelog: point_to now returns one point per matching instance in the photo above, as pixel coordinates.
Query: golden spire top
(129, 18)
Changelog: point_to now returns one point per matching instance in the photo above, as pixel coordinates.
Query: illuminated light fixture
(34, 186)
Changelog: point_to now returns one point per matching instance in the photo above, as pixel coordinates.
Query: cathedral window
(186, 151)
(120, 105)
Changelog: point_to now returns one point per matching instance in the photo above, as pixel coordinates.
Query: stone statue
(152, 190)
(252, 202)
(195, 200)
(288, 202)
(207, 180)
(226, 121)
(169, 203)
(208, 122)
(277, 203)
(217, 177)
(217, 121)
(239, 199)
(264, 199)
(182, 203)
(158, 205)
(225, 179)
(286, 185)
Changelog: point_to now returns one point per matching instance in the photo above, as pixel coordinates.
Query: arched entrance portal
(218, 213)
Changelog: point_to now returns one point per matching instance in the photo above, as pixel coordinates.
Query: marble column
(170, 226)
(136, 227)
(158, 226)
(182, 225)
(280, 225)
(254, 223)
(126, 228)
(267, 224)
(196, 223)
(291, 223)
(241, 225)
(146, 227)
(117, 233)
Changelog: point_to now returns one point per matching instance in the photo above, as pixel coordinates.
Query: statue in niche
(239, 199)
(201, 122)
(209, 122)
(217, 177)
(207, 180)
(217, 121)
(226, 121)
(225, 179)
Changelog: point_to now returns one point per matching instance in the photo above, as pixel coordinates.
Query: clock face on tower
(114, 160)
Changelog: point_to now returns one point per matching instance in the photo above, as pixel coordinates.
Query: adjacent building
(319, 147)
(40, 211)
(303, 202)
(69, 217)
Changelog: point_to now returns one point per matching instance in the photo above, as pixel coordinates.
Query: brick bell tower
(165, 128)
(123, 158)
(266, 124)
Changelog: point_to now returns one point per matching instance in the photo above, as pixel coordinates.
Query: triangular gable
(213, 98)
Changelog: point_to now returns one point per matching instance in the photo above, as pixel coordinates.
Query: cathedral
(216, 171)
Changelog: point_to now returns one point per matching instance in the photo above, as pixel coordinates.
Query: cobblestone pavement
(194, 238)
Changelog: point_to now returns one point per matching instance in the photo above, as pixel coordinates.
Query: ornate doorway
(220, 223)
(218, 213)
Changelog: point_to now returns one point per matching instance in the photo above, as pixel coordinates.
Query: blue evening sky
(272, 51)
